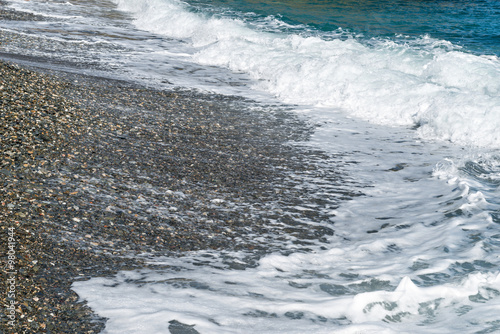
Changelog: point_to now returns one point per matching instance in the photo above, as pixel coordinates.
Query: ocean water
(407, 93)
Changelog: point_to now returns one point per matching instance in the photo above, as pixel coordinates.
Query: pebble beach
(95, 172)
(235, 166)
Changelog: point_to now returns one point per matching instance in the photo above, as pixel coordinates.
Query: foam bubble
(450, 94)
(216, 301)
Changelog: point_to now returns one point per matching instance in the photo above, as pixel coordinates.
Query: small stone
(217, 201)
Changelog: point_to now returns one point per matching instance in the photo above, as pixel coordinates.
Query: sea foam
(447, 93)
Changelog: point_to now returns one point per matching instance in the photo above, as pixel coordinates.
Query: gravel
(94, 172)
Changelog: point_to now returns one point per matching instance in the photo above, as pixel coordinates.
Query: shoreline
(55, 174)
(99, 171)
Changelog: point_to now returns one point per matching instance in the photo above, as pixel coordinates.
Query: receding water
(405, 98)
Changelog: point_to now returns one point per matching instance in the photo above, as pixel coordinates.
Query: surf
(426, 83)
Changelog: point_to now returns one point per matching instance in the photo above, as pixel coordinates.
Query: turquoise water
(473, 25)
(406, 93)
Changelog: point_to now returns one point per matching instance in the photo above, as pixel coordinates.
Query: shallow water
(406, 95)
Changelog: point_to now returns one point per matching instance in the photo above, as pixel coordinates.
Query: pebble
(95, 171)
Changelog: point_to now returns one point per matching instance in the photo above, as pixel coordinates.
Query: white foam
(414, 254)
(454, 95)
(217, 301)
(396, 262)
(46, 9)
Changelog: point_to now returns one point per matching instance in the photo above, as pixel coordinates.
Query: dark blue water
(471, 24)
